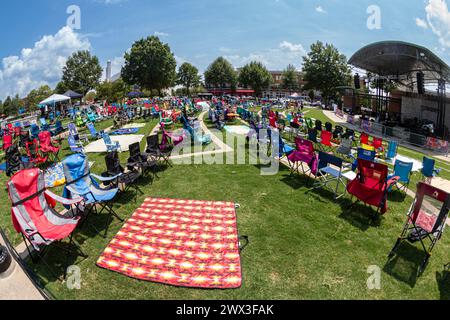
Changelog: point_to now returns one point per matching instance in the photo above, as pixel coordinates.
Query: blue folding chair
(110, 145)
(402, 170)
(364, 155)
(392, 150)
(429, 170)
(44, 125)
(34, 131)
(80, 182)
(74, 146)
(330, 169)
(94, 134)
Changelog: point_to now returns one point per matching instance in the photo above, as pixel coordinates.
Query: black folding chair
(154, 150)
(142, 161)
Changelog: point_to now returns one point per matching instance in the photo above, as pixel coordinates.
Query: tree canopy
(290, 79)
(150, 64)
(188, 77)
(113, 91)
(37, 95)
(256, 76)
(221, 74)
(325, 69)
(82, 72)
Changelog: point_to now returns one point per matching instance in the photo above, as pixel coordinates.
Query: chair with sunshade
(80, 182)
(34, 215)
(402, 170)
(426, 221)
(371, 185)
(429, 170)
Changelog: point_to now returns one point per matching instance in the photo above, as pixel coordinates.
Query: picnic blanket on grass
(183, 243)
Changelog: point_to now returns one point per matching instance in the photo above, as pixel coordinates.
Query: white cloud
(42, 64)
(320, 9)
(161, 34)
(275, 58)
(421, 23)
(438, 18)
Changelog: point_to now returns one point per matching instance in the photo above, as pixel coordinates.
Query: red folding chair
(364, 139)
(7, 142)
(325, 140)
(371, 185)
(33, 153)
(34, 216)
(378, 145)
(426, 221)
(47, 147)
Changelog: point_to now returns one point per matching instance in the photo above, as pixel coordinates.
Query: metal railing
(399, 134)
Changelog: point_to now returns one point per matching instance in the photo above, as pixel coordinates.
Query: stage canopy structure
(405, 63)
(73, 95)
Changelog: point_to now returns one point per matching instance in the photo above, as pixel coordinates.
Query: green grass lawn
(303, 244)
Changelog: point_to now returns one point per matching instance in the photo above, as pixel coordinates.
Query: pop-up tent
(73, 95)
(54, 99)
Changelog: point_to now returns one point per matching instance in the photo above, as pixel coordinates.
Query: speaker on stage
(420, 83)
(357, 81)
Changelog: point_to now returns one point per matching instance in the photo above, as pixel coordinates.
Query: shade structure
(73, 95)
(135, 94)
(54, 99)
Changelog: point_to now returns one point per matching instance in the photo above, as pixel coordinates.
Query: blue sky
(277, 32)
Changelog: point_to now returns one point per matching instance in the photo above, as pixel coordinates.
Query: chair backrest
(318, 125)
(312, 134)
(366, 154)
(113, 163)
(45, 138)
(304, 146)
(329, 126)
(326, 159)
(73, 144)
(326, 138)
(377, 143)
(107, 139)
(428, 167)
(92, 129)
(403, 170)
(364, 138)
(77, 173)
(392, 149)
(135, 150)
(373, 174)
(73, 131)
(7, 142)
(439, 196)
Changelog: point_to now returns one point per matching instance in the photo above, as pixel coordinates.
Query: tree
(256, 76)
(221, 74)
(188, 77)
(82, 72)
(150, 64)
(325, 69)
(113, 91)
(290, 79)
(37, 95)
(61, 88)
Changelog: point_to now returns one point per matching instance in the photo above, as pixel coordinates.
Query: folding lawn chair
(80, 182)
(318, 125)
(94, 134)
(330, 170)
(345, 148)
(140, 160)
(110, 145)
(47, 148)
(33, 154)
(125, 178)
(364, 139)
(325, 140)
(429, 170)
(312, 135)
(73, 131)
(74, 146)
(14, 161)
(154, 150)
(402, 170)
(392, 150)
(34, 131)
(371, 185)
(364, 154)
(426, 220)
(7, 142)
(34, 215)
(304, 154)
(328, 127)
(378, 145)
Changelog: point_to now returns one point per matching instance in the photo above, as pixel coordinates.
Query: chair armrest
(64, 201)
(74, 191)
(392, 181)
(105, 179)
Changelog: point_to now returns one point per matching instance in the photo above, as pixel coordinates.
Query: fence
(399, 134)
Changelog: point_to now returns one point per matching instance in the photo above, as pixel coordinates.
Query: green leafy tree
(150, 64)
(61, 88)
(188, 77)
(113, 91)
(256, 76)
(221, 74)
(290, 79)
(325, 69)
(82, 72)
(37, 95)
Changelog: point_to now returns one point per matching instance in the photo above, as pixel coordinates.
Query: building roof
(396, 59)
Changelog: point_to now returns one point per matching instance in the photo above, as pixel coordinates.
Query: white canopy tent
(54, 99)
